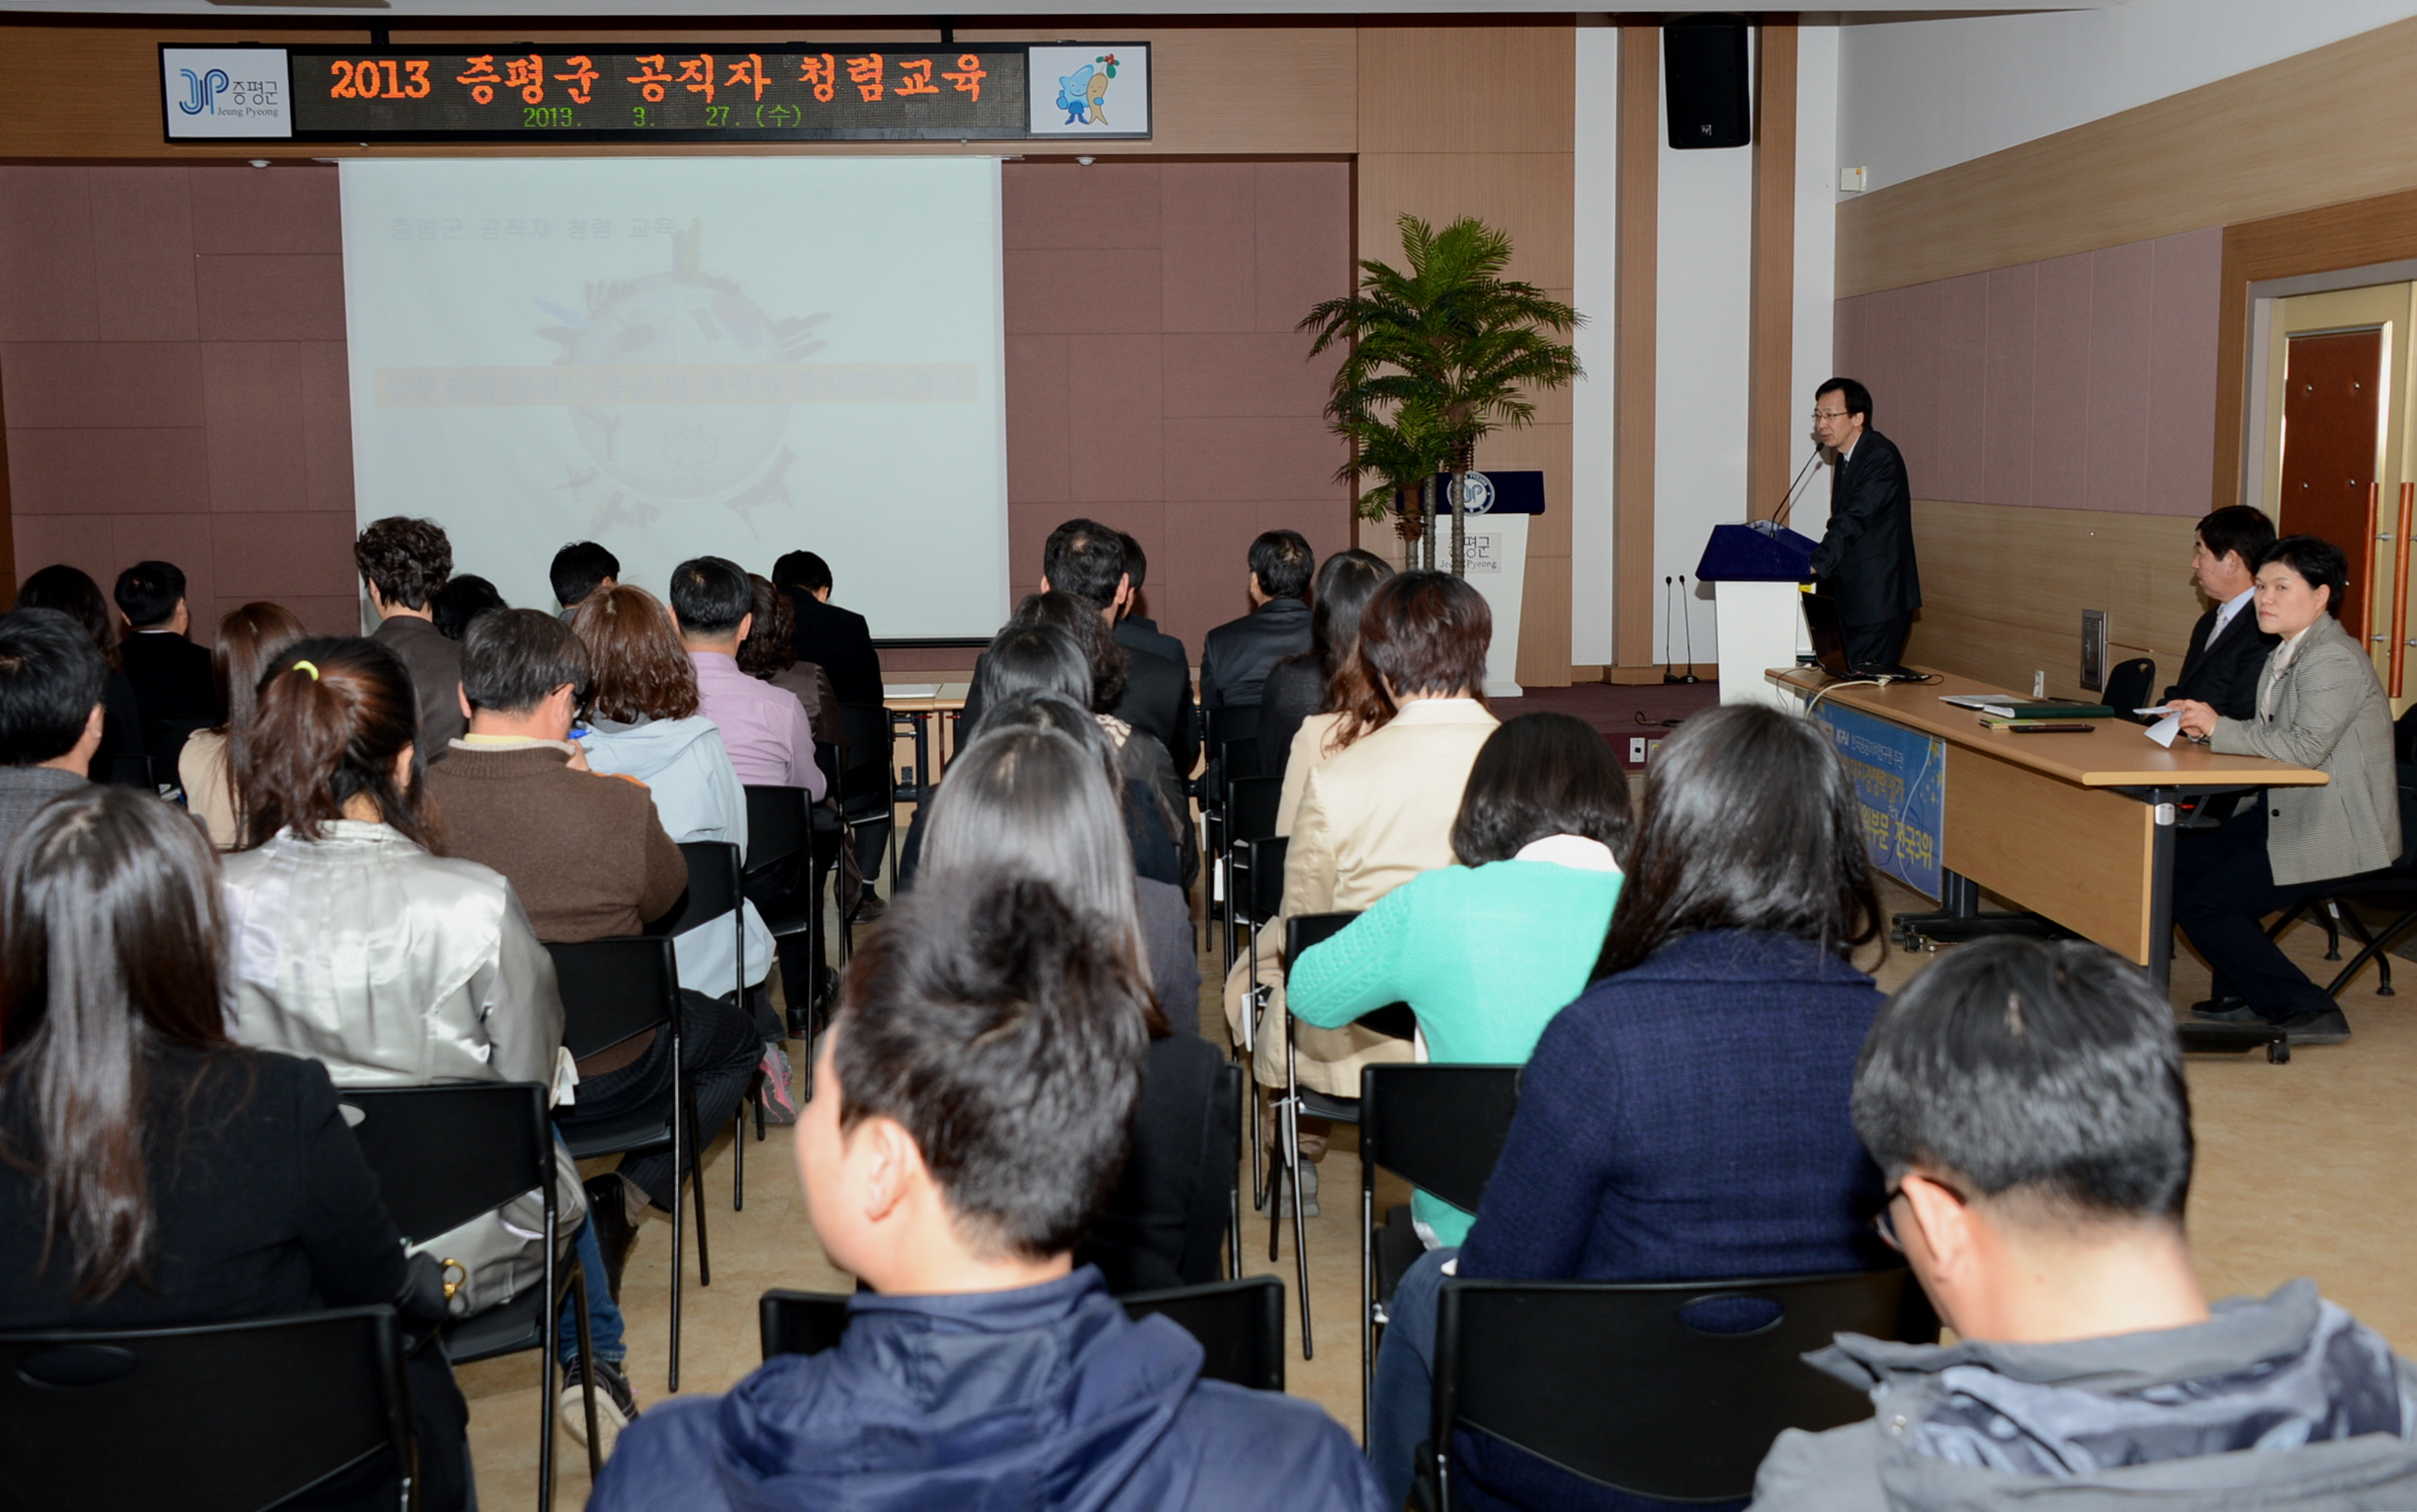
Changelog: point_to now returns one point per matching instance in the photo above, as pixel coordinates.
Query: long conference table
(2078, 828)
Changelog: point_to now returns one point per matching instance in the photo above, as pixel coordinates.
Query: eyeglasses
(1831, 414)
(1886, 1227)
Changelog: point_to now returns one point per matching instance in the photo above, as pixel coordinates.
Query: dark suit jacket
(1865, 559)
(171, 677)
(1158, 702)
(839, 642)
(1135, 634)
(2224, 676)
(1235, 656)
(435, 664)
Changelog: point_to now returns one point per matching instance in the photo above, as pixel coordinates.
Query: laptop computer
(1828, 638)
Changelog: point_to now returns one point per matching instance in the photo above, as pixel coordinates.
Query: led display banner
(798, 92)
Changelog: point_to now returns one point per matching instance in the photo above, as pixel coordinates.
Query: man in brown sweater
(589, 859)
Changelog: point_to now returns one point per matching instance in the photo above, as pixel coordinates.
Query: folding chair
(2393, 888)
(1667, 1390)
(226, 1417)
(1250, 807)
(1258, 871)
(714, 892)
(1439, 1128)
(445, 1154)
(1234, 1094)
(781, 825)
(612, 990)
(1239, 1325)
(868, 789)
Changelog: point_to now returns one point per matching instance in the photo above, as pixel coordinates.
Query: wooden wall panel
(1771, 432)
(1638, 275)
(2314, 129)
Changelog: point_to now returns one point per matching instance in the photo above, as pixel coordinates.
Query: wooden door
(2332, 392)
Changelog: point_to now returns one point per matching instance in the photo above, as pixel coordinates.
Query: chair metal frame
(725, 863)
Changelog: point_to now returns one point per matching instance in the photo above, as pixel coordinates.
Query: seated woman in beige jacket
(1379, 811)
(249, 639)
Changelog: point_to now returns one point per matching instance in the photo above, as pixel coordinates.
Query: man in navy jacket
(1865, 559)
(978, 1088)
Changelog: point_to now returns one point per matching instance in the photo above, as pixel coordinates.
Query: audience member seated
(159, 1176)
(2228, 649)
(1377, 813)
(249, 639)
(1309, 685)
(1686, 1118)
(830, 637)
(2028, 1103)
(1025, 800)
(1235, 656)
(982, 1077)
(2320, 704)
(355, 944)
(463, 598)
(50, 712)
(1137, 632)
(580, 569)
(121, 758)
(765, 728)
(173, 687)
(642, 723)
(769, 655)
(403, 565)
(1488, 949)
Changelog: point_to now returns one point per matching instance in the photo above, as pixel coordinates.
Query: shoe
(1309, 1190)
(615, 1233)
(2320, 1026)
(616, 1404)
(2225, 1010)
(869, 906)
(779, 1102)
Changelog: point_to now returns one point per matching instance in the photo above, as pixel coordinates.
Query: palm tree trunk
(1424, 555)
(1463, 457)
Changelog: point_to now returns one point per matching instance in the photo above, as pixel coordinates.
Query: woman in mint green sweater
(1488, 951)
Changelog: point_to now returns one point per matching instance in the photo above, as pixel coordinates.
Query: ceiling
(389, 11)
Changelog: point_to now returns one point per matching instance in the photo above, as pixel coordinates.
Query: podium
(1755, 571)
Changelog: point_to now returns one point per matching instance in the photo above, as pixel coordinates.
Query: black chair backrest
(1231, 722)
(2404, 736)
(1667, 1390)
(1236, 760)
(1258, 877)
(1439, 1128)
(1251, 804)
(445, 1154)
(1305, 929)
(228, 1418)
(777, 826)
(613, 989)
(713, 887)
(2130, 684)
(1239, 1325)
(864, 751)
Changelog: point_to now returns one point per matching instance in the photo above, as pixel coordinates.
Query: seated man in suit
(1236, 656)
(2026, 1101)
(2227, 648)
(1137, 632)
(840, 643)
(174, 687)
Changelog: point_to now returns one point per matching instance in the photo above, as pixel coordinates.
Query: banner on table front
(1901, 777)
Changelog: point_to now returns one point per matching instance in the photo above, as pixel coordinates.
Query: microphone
(1787, 502)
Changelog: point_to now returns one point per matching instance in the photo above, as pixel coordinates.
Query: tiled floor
(2304, 1169)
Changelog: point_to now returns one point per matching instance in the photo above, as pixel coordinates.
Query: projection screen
(680, 357)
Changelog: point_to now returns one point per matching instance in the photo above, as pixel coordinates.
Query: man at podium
(1865, 559)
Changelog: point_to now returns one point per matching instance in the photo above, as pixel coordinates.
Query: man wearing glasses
(1865, 559)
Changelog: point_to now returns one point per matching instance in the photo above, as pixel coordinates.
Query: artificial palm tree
(1402, 451)
(1451, 344)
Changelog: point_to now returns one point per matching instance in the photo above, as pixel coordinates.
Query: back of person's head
(111, 952)
(2043, 1071)
(2318, 563)
(406, 559)
(334, 717)
(1086, 559)
(148, 592)
(1426, 634)
(1003, 1030)
(248, 638)
(1853, 397)
(50, 679)
(1037, 708)
(1537, 776)
(462, 600)
(1032, 658)
(771, 647)
(1023, 797)
(2238, 530)
(514, 659)
(639, 670)
(1345, 583)
(1282, 562)
(580, 569)
(71, 592)
(1079, 619)
(1750, 821)
(1137, 560)
(801, 570)
(711, 596)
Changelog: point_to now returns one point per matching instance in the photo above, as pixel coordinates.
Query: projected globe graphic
(678, 452)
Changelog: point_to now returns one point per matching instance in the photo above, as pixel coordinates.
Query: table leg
(2162, 802)
(1959, 916)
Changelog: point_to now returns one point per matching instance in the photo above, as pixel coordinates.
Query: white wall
(1596, 222)
(1919, 96)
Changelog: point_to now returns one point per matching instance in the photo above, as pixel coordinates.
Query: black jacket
(1865, 559)
(1294, 690)
(435, 665)
(171, 677)
(2224, 676)
(1138, 632)
(1135, 634)
(1235, 656)
(1158, 702)
(839, 642)
(1165, 1224)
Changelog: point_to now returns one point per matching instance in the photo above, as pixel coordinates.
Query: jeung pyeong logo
(201, 91)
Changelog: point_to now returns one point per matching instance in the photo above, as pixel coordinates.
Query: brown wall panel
(1638, 279)
(1770, 428)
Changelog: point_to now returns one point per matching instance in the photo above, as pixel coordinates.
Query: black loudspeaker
(1706, 87)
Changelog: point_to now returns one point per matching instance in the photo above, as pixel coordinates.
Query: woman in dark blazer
(1686, 1118)
(154, 1173)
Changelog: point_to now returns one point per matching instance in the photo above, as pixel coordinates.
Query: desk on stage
(2076, 828)
(916, 705)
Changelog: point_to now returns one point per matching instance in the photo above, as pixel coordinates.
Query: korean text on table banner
(1900, 777)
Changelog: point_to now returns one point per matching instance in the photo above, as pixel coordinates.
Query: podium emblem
(1480, 495)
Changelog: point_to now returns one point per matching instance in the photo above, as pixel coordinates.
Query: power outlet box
(1636, 750)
